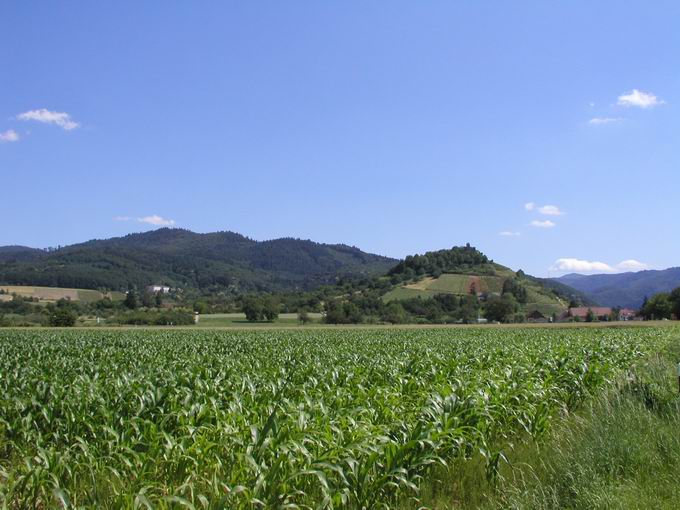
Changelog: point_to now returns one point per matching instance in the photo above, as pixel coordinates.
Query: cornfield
(279, 419)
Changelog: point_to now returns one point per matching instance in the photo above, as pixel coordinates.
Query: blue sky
(398, 127)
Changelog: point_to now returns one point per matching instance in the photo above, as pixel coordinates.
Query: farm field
(297, 419)
(57, 293)
(222, 320)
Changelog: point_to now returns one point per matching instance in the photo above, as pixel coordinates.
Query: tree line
(665, 305)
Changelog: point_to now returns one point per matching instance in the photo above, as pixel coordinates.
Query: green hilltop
(464, 271)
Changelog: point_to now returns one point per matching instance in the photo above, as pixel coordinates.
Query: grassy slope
(622, 450)
(539, 298)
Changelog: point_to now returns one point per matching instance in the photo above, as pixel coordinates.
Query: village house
(601, 313)
(538, 317)
(158, 288)
(626, 314)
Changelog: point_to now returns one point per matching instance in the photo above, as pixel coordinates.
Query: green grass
(406, 293)
(89, 296)
(546, 309)
(620, 450)
(226, 320)
(451, 284)
(312, 418)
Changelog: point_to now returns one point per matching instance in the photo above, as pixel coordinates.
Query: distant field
(459, 284)
(407, 293)
(57, 293)
(225, 320)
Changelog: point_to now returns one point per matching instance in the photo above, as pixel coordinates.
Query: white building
(158, 288)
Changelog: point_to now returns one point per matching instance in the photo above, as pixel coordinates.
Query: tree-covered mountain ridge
(185, 259)
(624, 289)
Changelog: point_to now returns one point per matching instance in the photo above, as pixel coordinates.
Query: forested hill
(464, 270)
(434, 263)
(181, 258)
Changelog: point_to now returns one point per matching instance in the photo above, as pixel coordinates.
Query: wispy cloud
(542, 224)
(61, 119)
(9, 136)
(640, 99)
(574, 265)
(632, 265)
(599, 121)
(154, 219)
(550, 210)
(546, 210)
(508, 233)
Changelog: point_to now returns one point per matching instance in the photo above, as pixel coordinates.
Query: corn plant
(279, 419)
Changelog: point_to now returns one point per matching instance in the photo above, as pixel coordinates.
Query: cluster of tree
(21, 311)
(174, 317)
(515, 287)
(665, 305)
(434, 263)
(342, 312)
(260, 308)
(146, 299)
(136, 308)
(62, 314)
(439, 309)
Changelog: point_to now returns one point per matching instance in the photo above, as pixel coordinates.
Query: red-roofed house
(626, 314)
(601, 312)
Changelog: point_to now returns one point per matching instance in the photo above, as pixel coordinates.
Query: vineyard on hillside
(276, 419)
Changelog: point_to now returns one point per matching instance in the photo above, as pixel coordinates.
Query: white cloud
(542, 224)
(154, 219)
(632, 265)
(546, 210)
(598, 121)
(121, 218)
(581, 266)
(573, 265)
(550, 210)
(9, 136)
(61, 119)
(640, 99)
(508, 233)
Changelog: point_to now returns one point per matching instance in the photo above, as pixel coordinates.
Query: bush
(152, 318)
(62, 318)
(303, 316)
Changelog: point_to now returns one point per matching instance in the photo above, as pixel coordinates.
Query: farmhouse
(602, 313)
(158, 288)
(626, 314)
(538, 317)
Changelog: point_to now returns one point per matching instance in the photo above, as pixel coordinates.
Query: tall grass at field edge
(620, 450)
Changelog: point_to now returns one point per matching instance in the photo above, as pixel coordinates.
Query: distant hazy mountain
(181, 258)
(624, 289)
